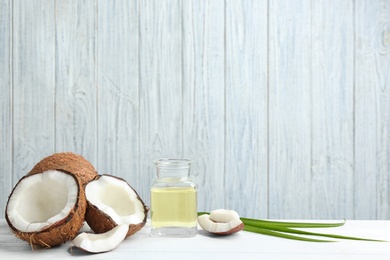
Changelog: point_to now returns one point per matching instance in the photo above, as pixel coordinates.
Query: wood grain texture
(75, 93)
(290, 109)
(118, 89)
(161, 116)
(33, 83)
(283, 105)
(246, 159)
(332, 119)
(6, 173)
(204, 99)
(372, 110)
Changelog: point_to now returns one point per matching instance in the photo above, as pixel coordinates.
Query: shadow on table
(208, 234)
(74, 251)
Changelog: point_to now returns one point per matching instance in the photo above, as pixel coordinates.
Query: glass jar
(173, 199)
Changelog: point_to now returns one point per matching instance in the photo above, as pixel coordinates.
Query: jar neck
(173, 168)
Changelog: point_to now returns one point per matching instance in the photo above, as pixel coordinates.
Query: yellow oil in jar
(173, 207)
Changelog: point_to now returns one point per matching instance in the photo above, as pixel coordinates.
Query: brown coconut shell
(231, 231)
(67, 161)
(59, 232)
(100, 222)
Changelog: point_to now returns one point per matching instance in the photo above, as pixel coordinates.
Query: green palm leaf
(285, 229)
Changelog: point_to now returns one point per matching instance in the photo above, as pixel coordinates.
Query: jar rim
(174, 162)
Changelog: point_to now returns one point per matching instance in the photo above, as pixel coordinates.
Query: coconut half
(47, 206)
(46, 209)
(112, 202)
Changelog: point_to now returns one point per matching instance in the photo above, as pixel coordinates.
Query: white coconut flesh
(98, 243)
(221, 221)
(117, 199)
(217, 227)
(223, 215)
(41, 200)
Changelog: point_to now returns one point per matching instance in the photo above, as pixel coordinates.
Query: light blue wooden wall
(283, 105)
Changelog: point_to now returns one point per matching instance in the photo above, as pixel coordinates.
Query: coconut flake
(223, 215)
(217, 227)
(98, 243)
(221, 222)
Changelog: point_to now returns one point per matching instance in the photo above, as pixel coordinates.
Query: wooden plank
(118, 90)
(290, 109)
(5, 101)
(203, 98)
(157, 68)
(75, 78)
(161, 122)
(372, 110)
(246, 160)
(33, 83)
(332, 127)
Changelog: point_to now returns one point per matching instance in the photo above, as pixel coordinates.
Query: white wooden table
(243, 245)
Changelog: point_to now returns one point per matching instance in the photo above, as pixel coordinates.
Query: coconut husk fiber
(70, 162)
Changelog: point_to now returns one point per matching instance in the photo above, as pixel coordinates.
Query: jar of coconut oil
(173, 199)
